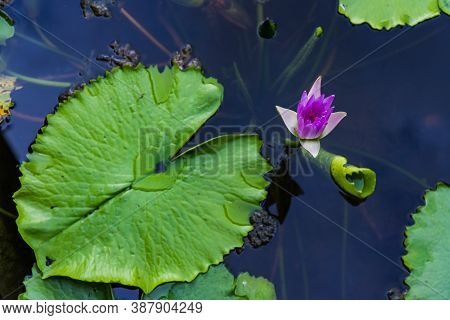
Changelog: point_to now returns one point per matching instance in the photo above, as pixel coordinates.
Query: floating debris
(97, 8)
(7, 85)
(124, 55)
(265, 227)
(69, 93)
(267, 29)
(396, 294)
(183, 59)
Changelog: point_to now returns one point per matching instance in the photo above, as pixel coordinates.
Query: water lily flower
(314, 118)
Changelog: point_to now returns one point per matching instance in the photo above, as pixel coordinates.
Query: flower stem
(354, 181)
(298, 61)
(323, 159)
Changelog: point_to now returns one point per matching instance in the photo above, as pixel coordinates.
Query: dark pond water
(394, 85)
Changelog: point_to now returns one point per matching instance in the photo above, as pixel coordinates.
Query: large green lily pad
(59, 288)
(216, 284)
(388, 14)
(96, 203)
(427, 243)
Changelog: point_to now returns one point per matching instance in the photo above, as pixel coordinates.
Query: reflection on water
(394, 86)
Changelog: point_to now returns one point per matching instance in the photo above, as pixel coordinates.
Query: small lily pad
(445, 6)
(254, 288)
(216, 284)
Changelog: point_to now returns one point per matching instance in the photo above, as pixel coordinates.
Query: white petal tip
(316, 88)
(335, 119)
(289, 118)
(312, 146)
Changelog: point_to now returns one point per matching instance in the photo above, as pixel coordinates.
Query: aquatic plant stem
(298, 61)
(43, 45)
(312, 74)
(262, 49)
(7, 214)
(38, 81)
(244, 91)
(323, 160)
(27, 117)
(44, 38)
(145, 32)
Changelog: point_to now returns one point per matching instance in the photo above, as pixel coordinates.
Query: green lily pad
(95, 203)
(216, 284)
(6, 27)
(254, 288)
(445, 6)
(427, 244)
(59, 288)
(388, 14)
(358, 182)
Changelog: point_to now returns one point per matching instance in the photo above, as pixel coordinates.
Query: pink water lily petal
(333, 121)
(312, 146)
(290, 119)
(316, 89)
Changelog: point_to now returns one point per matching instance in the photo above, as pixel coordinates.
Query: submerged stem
(145, 32)
(244, 90)
(298, 61)
(45, 46)
(39, 81)
(7, 214)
